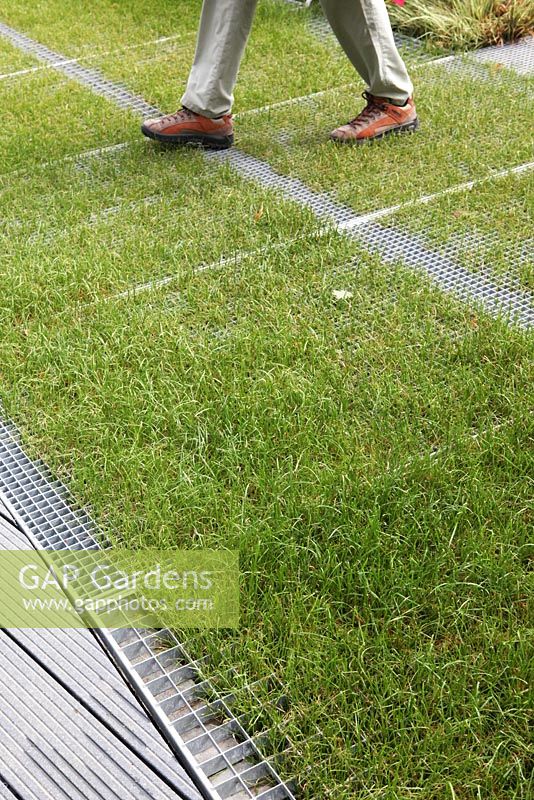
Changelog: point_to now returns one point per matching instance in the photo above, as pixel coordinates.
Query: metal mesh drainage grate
(323, 206)
(394, 244)
(212, 745)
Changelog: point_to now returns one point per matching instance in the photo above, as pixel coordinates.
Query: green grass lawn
(46, 118)
(368, 457)
(76, 29)
(77, 232)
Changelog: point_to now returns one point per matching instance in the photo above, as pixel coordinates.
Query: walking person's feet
(186, 127)
(379, 118)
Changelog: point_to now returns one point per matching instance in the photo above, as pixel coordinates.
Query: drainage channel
(210, 743)
(451, 276)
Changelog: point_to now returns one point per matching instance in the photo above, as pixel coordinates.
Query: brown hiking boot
(186, 127)
(378, 119)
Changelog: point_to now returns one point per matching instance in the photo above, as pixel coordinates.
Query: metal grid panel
(197, 717)
(41, 502)
(155, 664)
(518, 56)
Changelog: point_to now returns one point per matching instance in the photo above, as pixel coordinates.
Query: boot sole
(409, 127)
(195, 139)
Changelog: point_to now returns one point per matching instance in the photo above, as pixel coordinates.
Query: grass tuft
(463, 24)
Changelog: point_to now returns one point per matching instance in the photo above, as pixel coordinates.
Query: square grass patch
(79, 231)
(488, 228)
(366, 456)
(461, 137)
(48, 117)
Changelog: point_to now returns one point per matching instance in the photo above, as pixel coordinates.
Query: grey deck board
(5, 792)
(48, 739)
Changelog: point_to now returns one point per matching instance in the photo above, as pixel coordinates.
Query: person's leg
(363, 29)
(224, 29)
(205, 117)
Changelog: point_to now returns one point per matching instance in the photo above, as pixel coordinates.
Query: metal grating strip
(518, 56)
(392, 243)
(294, 189)
(163, 676)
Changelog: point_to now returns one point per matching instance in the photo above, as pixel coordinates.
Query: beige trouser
(361, 26)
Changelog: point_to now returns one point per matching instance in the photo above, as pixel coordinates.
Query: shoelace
(372, 111)
(181, 115)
